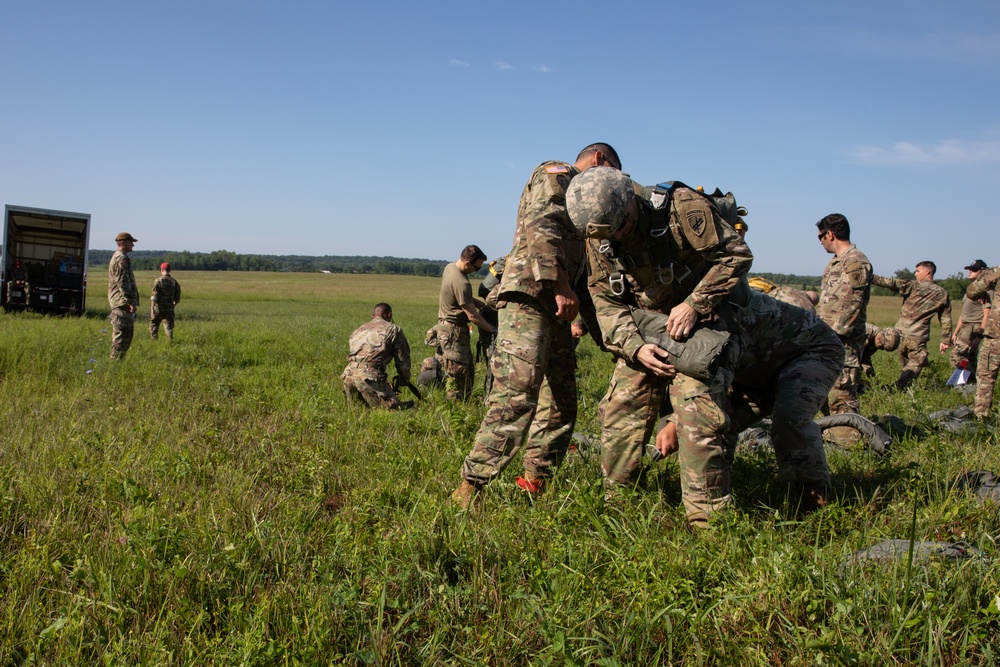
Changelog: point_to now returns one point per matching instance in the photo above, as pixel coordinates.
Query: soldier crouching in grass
(372, 346)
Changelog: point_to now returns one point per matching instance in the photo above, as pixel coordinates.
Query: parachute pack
(724, 204)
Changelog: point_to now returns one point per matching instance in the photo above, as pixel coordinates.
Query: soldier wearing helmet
(678, 258)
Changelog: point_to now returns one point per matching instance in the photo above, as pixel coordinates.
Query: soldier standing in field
(456, 308)
(166, 294)
(922, 299)
(123, 296)
(371, 347)
(988, 363)
(533, 400)
(843, 304)
(969, 329)
(677, 257)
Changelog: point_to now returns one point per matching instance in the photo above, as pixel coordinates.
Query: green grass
(217, 502)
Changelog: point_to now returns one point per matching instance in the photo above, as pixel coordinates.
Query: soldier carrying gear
(673, 254)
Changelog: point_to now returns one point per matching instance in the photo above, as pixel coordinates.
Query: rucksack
(724, 204)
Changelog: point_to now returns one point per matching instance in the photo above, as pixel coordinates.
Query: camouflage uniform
(533, 363)
(372, 346)
(453, 333)
(922, 299)
(166, 294)
(683, 252)
(989, 349)
(965, 342)
(843, 304)
(790, 360)
(796, 297)
(122, 293)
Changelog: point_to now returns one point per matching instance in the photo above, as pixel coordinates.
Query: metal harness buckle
(617, 282)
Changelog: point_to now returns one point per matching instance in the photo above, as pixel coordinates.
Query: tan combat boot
(464, 495)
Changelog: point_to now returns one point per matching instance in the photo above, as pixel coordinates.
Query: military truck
(44, 265)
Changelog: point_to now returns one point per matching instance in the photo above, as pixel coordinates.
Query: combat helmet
(597, 199)
(887, 339)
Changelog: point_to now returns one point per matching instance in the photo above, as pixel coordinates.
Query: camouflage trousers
(371, 387)
(843, 396)
(986, 375)
(628, 414)
(966, 346)
(122, 328)
(159, 314)
(912, 360)
(533, 401)
(459, 367)
(793, 400)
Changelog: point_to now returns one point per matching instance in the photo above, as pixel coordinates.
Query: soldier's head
(382, 310)
(165, 268)
(976, 268)
(887, 339)
(813, 296)
(471, 259)
(833, 228)
(125, 241)
(598, 155)
(925, 270)
(601, 202)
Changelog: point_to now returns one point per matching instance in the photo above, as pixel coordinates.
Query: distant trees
(224, 260)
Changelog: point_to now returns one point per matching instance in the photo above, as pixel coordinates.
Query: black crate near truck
(44, 265)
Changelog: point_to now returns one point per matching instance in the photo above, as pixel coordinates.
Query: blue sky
(409, 130)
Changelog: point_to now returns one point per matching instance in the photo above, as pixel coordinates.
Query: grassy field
(216, 501)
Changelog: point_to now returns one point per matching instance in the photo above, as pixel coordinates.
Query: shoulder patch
(557, 169)
(696, 222)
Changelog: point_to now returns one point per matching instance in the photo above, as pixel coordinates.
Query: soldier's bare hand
(567, 304)
(666, 439)
(681, 321)
(654, 358)
(944, 347)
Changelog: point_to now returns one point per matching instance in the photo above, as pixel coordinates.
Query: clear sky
(409, 129)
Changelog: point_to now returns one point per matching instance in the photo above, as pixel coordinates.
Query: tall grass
(216, 501)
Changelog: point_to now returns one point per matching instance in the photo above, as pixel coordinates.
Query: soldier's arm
(888, 283)
(944, 315)
(719, 245)
(177, 292)
(401, 355)
(116, 293)
(546, 222)
(478, 319)
(859, 277)
(980, 287)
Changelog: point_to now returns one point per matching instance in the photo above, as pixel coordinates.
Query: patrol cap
(977, 265)
(165, 265)
(597, 199)
(125, 236)
(889, 339)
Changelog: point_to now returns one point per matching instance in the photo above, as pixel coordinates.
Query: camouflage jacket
(374, 344)
(683, 253)
(982, 287)
(796, 297)
(846, 290)
(547, 247)
(774, 333)
(122, 291)
(166, 291)
(922, 299)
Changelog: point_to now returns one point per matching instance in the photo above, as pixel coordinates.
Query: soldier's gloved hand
(654, 358)
(666, 439)
(681, 321)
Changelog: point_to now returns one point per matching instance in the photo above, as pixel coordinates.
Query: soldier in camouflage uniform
(969, 329)
(790, 359)
(123, 296)
(843, 304)
(668, 252)
(533, 401)
(456, 308)
(886, 339)
(372, 346)
(985, 286)
(922, 299)
(166, 294)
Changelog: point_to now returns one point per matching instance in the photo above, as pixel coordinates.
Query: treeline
(224, 260)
